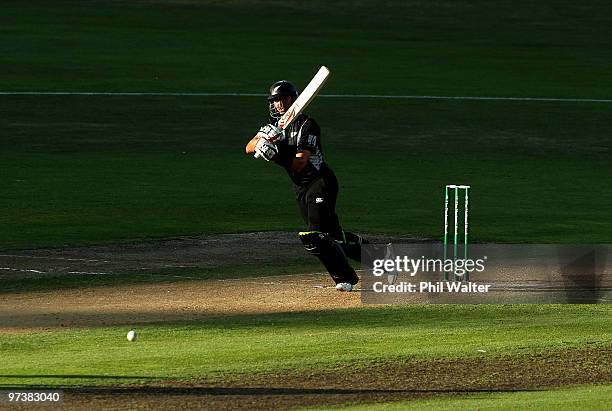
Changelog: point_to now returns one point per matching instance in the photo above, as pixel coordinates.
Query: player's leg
(350, 242)
(318, 240)
(331, 256)
(329, 220)
(352, 245)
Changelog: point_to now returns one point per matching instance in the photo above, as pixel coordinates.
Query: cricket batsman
(298, 150)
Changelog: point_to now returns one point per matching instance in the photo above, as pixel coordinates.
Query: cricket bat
(304, 99)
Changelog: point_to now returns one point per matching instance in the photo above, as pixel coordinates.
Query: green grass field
(304, 341)
(79, 170)
(99, 169)
(108, 169)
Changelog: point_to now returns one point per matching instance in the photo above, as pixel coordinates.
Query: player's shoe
(344, 287)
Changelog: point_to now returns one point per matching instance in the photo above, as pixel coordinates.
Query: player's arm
(250, 147)
(307, 144)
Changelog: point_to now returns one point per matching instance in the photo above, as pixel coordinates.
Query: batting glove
(272, 133)
(265, 149)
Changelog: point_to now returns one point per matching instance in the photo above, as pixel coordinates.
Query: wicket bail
(455, 191)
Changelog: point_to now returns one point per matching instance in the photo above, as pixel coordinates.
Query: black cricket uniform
(316, 189)
(316, 185)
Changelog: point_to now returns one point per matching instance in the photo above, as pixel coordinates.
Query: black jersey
(303, 134)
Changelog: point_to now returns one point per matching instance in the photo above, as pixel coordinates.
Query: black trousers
(317, 203)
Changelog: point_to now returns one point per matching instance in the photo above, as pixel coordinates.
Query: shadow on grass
(388, 317)
(221, 390)
(170, 275)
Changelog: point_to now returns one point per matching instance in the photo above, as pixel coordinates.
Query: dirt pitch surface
(186, 298)
(182, 301)
(189, 300)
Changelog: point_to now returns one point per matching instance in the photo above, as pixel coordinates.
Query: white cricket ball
(131, 335)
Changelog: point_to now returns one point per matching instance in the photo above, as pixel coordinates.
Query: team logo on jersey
(319, 200)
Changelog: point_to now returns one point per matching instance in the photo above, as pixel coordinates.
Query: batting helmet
(282, 89)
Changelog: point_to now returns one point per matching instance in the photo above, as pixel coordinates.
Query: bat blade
(304, 99)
